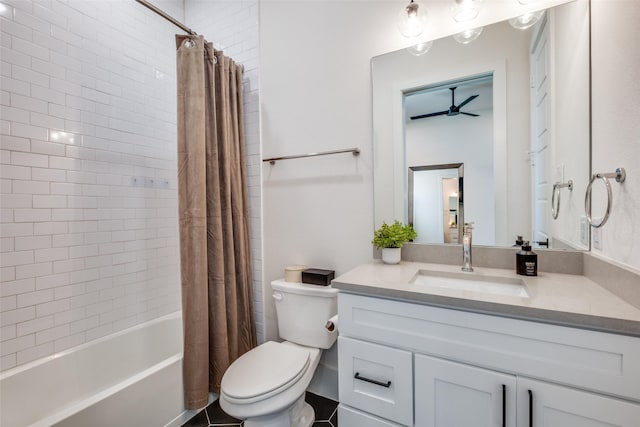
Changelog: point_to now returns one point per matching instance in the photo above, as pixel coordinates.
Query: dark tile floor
(212, 416)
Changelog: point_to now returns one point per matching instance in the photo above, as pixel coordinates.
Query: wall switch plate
(559, 173)
(584, 230)
(597, 235)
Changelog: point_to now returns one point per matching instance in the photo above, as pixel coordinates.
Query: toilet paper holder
(332, 324)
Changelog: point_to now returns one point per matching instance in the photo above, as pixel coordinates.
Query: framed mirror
(436, 202)
(533, 104)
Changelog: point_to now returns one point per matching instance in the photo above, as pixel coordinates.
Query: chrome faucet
(466, 246)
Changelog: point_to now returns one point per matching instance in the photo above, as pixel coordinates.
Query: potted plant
(390, 239)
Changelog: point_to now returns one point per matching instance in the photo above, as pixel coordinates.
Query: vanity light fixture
(467, 36)
(421, 48)
(527, 20)
(464, 10)
(412, 19)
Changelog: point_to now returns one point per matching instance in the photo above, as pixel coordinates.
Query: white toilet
(266, 386)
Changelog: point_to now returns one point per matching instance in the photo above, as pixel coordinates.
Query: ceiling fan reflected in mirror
(454, 110)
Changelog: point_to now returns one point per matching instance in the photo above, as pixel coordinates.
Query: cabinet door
(453, 394)
(558, 406)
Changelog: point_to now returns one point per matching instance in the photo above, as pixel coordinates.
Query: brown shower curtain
(215, 258)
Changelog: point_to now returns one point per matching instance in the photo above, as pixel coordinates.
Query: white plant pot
(391, 255)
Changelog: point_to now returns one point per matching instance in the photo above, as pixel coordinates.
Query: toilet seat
(264, 371)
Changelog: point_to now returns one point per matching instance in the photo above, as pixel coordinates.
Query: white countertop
(565, 299)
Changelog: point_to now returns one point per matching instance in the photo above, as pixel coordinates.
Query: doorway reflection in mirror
(436, 204)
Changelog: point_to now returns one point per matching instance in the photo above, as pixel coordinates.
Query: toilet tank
(302, 312)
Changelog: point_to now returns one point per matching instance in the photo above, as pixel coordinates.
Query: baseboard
(187, 414)
(325, 382)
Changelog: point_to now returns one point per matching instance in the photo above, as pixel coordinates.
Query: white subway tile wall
(89, 231)
(232, 26)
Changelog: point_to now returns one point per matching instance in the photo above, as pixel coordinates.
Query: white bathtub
(131, 378)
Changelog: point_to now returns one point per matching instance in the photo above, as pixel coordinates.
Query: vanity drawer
(353, 418)
(376, 379)
(598, 361)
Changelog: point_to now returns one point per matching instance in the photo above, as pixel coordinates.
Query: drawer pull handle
(530, 408)
(504, 405)
(369, 380)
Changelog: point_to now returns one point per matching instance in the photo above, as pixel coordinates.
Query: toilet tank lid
(304, 289)
(264, 369)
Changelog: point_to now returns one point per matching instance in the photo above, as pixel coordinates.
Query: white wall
(616, 128)
(88, 104)
(315, 96)
(232, 26)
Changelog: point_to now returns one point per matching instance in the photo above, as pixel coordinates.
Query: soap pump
(519, 242)
(526, 261)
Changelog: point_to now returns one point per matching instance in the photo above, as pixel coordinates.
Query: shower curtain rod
(168, 17)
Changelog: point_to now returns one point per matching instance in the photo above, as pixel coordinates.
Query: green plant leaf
(394, 235)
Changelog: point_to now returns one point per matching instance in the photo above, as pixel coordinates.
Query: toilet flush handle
(277, 296)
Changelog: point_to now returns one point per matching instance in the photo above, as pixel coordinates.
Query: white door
(540, 135)
(450, 394)
(556, 406)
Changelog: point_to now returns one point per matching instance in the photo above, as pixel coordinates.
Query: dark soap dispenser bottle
(526, 261)
(519, 242)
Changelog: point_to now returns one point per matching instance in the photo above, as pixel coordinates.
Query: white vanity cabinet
(426, 366)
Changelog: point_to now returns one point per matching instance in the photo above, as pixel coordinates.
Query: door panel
(541, 137)
(558, 406)
(452, 394)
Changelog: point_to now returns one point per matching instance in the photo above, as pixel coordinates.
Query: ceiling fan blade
(422, 116)
(470, 114)
(468, 100)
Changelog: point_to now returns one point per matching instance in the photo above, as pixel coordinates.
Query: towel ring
(619, 175)
(555, 198)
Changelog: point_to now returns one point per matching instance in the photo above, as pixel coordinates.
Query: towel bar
(620, 175)
(555, 200)
(273, 160)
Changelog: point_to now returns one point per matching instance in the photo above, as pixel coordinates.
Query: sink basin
(471, 282)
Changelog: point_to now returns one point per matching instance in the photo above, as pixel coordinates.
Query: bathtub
(131, 378)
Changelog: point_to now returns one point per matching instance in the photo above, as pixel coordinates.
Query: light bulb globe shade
(527, 20)
(421, 48)
(464, 10)
(412, 19)
(467, 36)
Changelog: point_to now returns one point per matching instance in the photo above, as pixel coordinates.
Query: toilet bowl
(263, 386)
(266, 386)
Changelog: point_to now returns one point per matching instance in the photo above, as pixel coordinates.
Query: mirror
(528, 129)
(436, 202)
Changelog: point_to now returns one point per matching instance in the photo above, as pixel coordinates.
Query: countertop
(562, 299)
